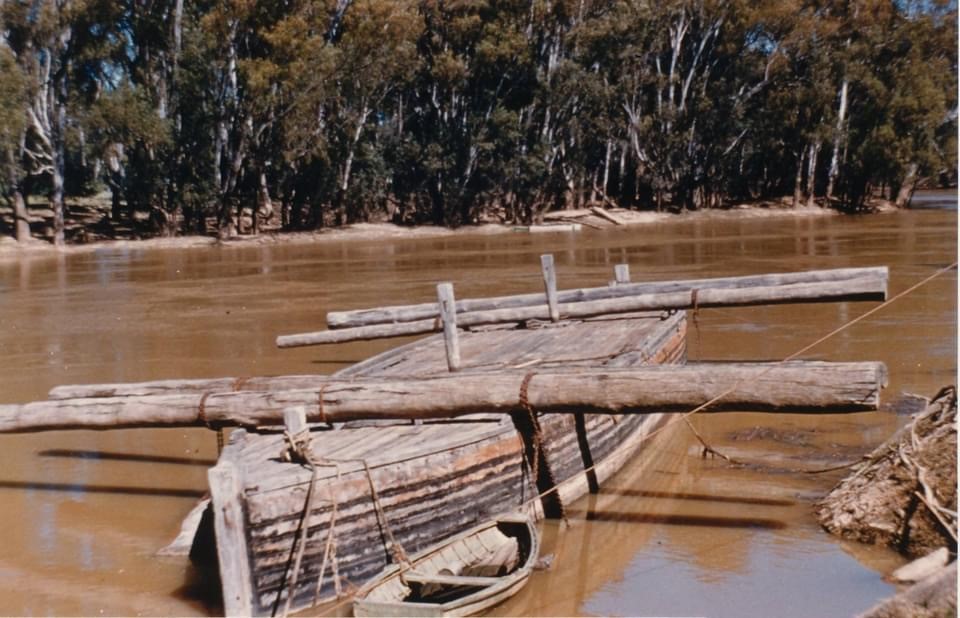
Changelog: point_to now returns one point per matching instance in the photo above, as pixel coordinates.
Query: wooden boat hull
(374, 598)
(386, 485)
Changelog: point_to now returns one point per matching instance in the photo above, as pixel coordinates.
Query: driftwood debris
(805, 387)
(905, 493)
(934, 597)
(862, 288)
(603, 214)
(429, 311)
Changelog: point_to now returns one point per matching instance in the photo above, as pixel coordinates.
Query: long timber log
(869, 287)
(806, 387)
(424, 311)
(163, 387)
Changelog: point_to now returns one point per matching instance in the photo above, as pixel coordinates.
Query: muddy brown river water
(84, 513)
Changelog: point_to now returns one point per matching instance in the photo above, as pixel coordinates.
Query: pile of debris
(904, 495)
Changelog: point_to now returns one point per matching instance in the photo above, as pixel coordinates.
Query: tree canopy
(313, 113)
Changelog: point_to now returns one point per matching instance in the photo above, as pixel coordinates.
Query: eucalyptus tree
(13, 98)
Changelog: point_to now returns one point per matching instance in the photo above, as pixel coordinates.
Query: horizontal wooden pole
(807, 387)
(424, 311)
(861, 288)
(179, 387)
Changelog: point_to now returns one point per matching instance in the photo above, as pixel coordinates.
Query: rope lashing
(393, 547)
(298, 451)
(531, 434)
(537, 434)
(320, 410)
(202, 417)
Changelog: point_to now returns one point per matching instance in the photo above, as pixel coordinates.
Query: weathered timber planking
(504, 349)
(861, 288)
(481, 355)
(422, 502)
(410, 313)
(802, 386)
(417, 506)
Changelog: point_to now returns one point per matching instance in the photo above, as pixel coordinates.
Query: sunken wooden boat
(306, 517)
(462, 576)
(384, 487)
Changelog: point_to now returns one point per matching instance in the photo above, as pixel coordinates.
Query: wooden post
(226, 491)
(448, 312)
(621, 274)
(294, 419)
(550, 284)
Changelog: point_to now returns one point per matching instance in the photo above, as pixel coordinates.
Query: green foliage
(448, 111)
(13, 97)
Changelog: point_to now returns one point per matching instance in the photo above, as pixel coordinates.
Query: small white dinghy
(462, 576)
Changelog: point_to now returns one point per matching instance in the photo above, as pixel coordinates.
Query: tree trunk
(20, 215)
(812, 172)
(905, 193)
(838, 139)
(56, 198)
(798, 179)
(804, 387)
(58, 138)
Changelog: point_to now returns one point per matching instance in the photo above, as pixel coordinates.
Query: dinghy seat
(449, 580)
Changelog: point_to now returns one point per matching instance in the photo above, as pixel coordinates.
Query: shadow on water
(202, 587)
(103, 489)
(645, 493)
(678, 520)
(336, 362)
(104, 455)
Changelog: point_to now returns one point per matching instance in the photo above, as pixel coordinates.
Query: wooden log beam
(861, 288)
(410, 313)
(806, 387)
(180, 387)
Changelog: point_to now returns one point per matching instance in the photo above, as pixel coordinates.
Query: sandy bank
(10, 249)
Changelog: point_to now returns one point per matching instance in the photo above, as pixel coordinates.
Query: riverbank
(570, 221)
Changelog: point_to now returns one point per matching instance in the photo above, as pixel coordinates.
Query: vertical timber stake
(621, 274)
(448, 312)
(295, 419)
(550, 284)
(226, 491)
